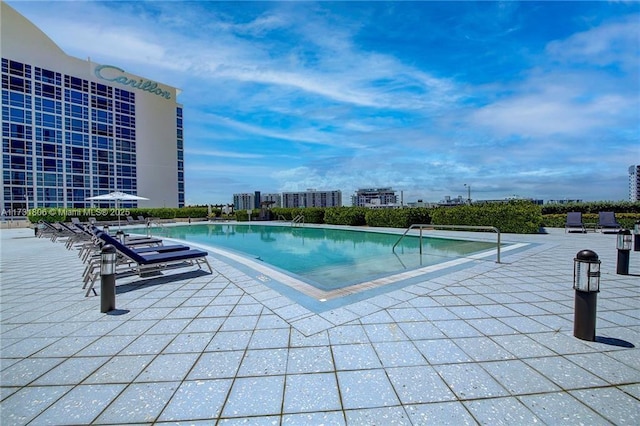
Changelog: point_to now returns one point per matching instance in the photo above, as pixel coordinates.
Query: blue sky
(531, 99)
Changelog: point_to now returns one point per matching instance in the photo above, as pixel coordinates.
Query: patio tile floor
(488, 344)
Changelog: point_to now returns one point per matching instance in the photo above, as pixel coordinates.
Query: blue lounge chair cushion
(607, 220)
(574, 220)
(152, 258)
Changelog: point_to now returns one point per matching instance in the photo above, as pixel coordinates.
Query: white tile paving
(490, 344)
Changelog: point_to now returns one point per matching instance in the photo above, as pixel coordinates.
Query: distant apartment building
(448, 201)
(375, 198)
(420, 203)
(276, 199)
(312, 198)
(564, 201)
(634, 183)
(244, 201)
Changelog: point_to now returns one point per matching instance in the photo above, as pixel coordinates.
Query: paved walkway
(491, 344)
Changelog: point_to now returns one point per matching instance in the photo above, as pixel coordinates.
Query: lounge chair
(75, 234)
(132, 221)
(607, 222)
(53, 230)
(574, 222)
(131, 241)
(140, 263)
(93, 258)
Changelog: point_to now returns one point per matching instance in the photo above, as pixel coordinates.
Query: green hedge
(352, 216)
(592, 207)
(397, 218)
(310, 214)
(520, 217)
(242, 216)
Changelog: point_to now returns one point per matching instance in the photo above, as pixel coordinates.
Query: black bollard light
(636, 236)
(120, 236)
(624, 247)
(108, 278)
(586, 283)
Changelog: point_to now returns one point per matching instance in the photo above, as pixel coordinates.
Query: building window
(48, 120)
(125, 133)
(76, 83)
(125, 120)
(125, 95)
(48, 135)
(15, 146)
(15, 99)
(15, 178)
(76, 97)
(49, 165)
(76, 125)
(16, 131)
(48, 105)
(125, 108)
(125, 158)
(16, 115)
(47, 76)
(102, 182)
(16, 83)
(77, 111)
(101, 90)
(48, 91)
(102, 116)
(75, 153)
(101, 129)
(16, 68)
(49, 150)
(102, 142)
(77, 139)
(101, 103)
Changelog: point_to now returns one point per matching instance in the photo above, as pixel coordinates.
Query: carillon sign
(115, 74)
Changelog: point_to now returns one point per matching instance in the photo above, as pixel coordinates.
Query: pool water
(328, 258)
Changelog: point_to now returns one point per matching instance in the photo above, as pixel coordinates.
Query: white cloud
(606, 44)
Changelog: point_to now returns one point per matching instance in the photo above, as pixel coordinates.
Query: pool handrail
(422, 226)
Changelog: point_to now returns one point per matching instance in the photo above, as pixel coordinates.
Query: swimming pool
(328, 258)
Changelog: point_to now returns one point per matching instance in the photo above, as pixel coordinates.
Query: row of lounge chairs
(607, 222)
(135, 255)
(141, 220)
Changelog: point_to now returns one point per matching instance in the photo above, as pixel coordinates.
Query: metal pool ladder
(431, 227)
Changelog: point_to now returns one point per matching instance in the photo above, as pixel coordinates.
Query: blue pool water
(327, 258)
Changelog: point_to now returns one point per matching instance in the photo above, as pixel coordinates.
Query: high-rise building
(73, 128)
(246, 201)
(634, 183)
(275, 198)
(375, 198)
(312, 198)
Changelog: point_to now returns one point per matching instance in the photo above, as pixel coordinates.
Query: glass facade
(180, 149)
(65, 139)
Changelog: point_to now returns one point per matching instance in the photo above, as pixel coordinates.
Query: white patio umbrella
(116, 196)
